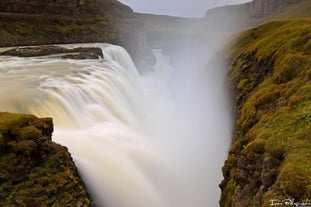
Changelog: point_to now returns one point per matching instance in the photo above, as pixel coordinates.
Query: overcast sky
(193, 8)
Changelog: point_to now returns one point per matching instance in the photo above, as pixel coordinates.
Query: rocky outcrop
(60, 52)
(270, 77)
(35, 171)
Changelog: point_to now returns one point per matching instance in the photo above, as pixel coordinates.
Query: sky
(183, 8)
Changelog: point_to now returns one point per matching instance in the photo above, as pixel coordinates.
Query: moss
(2, 142)
(228, 193)
(290, 66)
(29, 132)
(274, 120)
(35, 171)
(26, 146)
(272, 40)
(257, 146)
(294, 179)
(307, 48)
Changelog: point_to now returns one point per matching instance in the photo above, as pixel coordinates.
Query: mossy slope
(270, 75)
(34, 171)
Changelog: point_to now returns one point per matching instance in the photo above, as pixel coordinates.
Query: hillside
(270, 76)
(48, 22)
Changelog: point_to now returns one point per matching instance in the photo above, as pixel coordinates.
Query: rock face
(236, 18)
(61, 52)
(259, 8)
(34, 171)
(270, 159)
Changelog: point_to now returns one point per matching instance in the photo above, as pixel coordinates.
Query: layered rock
(259, 8)
(35, 171)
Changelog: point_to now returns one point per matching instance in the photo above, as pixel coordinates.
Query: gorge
(135, 140)
(156, 131)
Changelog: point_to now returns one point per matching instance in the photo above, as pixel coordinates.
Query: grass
(275, 118)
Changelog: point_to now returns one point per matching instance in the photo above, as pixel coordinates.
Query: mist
(155, 134)
(192, 106)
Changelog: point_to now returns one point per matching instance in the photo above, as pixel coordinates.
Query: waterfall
(135, 142)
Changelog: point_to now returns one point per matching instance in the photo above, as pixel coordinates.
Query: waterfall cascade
(135, 142)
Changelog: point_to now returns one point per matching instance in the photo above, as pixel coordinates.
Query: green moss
(290, 66)
(26, 146)
(307, 48)
(274, 120)
(29, 132)
(228, 193)
(34, 171)
(273, 39)
(257, 146)
(295, 179)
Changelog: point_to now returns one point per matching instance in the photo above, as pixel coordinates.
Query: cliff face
(55, 22)
(34, 171)
(236, 18)
(259, 8)
(270, 75)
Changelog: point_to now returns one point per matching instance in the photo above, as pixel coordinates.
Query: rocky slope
(35, 171)
(270, 76)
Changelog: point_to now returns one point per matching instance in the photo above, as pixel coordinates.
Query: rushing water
(151, 141)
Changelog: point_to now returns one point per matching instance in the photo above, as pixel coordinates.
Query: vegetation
(34, 171)
(270, 76)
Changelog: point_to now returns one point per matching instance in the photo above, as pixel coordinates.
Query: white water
(137, 141)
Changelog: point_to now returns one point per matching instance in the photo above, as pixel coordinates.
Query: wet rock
(56, 51)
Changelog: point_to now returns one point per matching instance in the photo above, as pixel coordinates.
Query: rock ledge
(56, 51)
